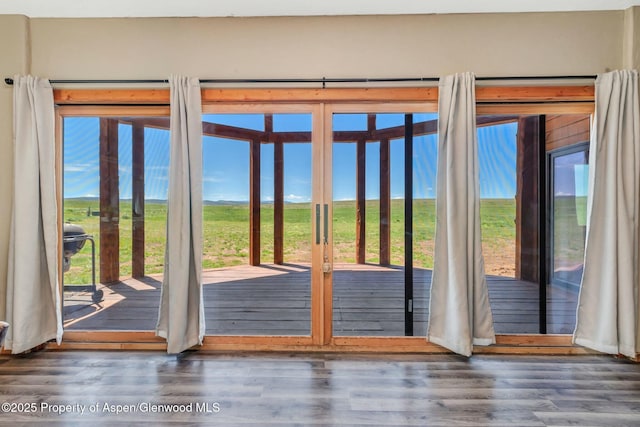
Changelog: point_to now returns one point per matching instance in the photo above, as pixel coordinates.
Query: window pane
(507, 154)
(257, 223)
(569, 178)
(370, 232)
(115, 190)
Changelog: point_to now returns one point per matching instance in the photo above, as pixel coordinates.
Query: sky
(226, 162)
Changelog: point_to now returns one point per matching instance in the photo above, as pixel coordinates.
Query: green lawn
(226, 234)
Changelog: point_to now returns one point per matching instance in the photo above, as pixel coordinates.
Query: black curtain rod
(324, 81)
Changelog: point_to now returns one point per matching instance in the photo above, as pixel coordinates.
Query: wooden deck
(275, 300)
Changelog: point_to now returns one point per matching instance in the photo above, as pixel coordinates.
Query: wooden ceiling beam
(233, 132)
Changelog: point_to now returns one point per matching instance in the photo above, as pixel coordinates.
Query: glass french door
(382, 214)
(334, 209)
(259, 193)
(569, 169)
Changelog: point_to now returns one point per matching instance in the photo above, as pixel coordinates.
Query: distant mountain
(164, 202)
(224, 202)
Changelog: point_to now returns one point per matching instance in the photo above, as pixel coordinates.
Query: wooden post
(109, 202)
(385, 203)
(137, 200)
(254, 202)
(361, 202)
(527, 199)
(278, 190)
(278, 202)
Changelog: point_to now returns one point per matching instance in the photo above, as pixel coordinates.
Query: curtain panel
(34, 307)
(459, 311)
(607, 313)
(181, 314)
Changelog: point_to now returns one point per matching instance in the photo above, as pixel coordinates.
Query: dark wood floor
(323, 390)
(275, 300)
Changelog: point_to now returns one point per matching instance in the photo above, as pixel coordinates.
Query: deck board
(275, 300)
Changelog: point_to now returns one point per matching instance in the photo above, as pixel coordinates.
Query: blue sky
(226, 162)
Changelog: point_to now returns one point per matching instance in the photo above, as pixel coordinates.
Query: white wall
(631, 42)
(365, 46)
(14, 59)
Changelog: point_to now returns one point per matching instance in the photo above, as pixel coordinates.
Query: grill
(73, 240)
(4, 327)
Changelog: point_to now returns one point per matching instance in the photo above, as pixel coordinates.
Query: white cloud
(295, 198)
(79, 167)
(213, 179)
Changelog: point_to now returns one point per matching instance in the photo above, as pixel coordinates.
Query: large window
(114, 211)
(319, 215)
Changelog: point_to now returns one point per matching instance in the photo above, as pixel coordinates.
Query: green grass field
(226, 234)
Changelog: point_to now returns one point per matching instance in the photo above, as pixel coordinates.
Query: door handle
(326, 265)
(317, 223)
(326, 224)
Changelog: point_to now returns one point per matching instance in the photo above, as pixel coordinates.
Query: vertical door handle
(317, 224)
(326, 224)
(326, 265)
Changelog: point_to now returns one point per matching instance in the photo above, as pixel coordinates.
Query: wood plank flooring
(275, 300)
(248, 389)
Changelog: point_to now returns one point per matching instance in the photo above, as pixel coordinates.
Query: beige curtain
(181, 316)
(459, 310)
(33, 289)
(607, 314)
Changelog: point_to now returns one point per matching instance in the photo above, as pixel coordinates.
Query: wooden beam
(109, 202)
(231, 132)
(113, 111)
(371, 122)
(411, 94)
(527, 199)
(278, 202)
(278, 192)
(361, 233)
(417, 94)
(111, 96)
(428, 127)
(254, 203)
(535, 93)
(290, 137)
(385, 203)
(148, 341)
(137, 201)
(537, 108)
